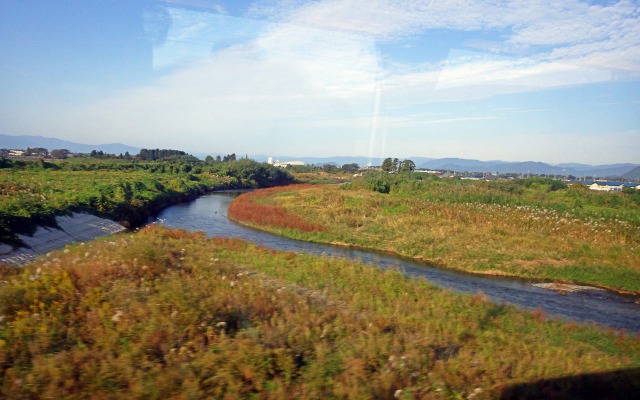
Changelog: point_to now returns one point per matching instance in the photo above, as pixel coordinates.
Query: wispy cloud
(306, 69)
(568, 31)
(200, 4)
(454, 120)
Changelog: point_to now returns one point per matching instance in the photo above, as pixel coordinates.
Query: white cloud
(315, 71)
(575, 29)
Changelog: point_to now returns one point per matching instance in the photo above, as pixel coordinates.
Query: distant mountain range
(628, 171)
(22, 142)
(529, 167)
(623, 170)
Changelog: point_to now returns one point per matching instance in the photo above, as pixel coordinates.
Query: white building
(277, 163)
(603, 186)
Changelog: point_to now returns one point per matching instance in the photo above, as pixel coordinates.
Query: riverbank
(33, 194)
(208, 214)
(166, 312)
(488, 239)
(76, 228)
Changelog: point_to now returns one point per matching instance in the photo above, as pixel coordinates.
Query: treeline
(144, 154)
(156, 154)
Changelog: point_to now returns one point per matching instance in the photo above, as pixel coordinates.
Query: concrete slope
(74, 229)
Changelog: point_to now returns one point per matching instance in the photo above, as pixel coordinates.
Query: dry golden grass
(524, 241)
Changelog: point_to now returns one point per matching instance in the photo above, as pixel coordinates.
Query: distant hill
(470, 165)
(339, 160)
(22, 142)
(623, 170)
(633, 174)
(528, 167)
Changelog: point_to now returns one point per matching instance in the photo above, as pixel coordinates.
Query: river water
(209, 214)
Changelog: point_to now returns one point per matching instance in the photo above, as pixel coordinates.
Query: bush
(379, 182)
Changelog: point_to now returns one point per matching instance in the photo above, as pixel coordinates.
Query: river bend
(209, 214)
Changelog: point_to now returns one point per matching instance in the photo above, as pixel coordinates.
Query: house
(607, 186)
(16, 153)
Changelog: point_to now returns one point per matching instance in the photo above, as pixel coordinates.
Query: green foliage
(388, 165)
(249, 173)
(301, 168)
(407, 166)
(379, 182)
(330, 168)
(170, 314)
(518, 228)
(158, 154)
(350, 168)
(32, 193)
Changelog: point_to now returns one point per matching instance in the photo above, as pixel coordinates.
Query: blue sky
(509, 80)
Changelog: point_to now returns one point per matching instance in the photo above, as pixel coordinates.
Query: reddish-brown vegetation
(247, 208)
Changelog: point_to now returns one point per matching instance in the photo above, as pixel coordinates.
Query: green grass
(479, 227)
(33, 193)
(170, 314)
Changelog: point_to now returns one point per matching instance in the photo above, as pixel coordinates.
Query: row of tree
(228, 157)
(144, 154)
(156, 154)
(394, 165)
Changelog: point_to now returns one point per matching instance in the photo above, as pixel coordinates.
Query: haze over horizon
(508, 80)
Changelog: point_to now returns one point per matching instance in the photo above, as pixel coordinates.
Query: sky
(520, 80)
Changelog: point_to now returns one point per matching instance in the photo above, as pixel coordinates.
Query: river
(209, 214)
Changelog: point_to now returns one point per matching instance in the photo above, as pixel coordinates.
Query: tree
(353, 167)
(388, 165)
(229, 157)
(330, 168)
(208, 159)
(60, 153)
(36, 151)
(156, 154)
(407, 166)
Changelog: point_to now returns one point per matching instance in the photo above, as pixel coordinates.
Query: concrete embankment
(73, 229)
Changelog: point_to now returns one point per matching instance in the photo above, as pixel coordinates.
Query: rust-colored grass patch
(248, 210)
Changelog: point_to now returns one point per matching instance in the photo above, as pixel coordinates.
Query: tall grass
(476, 228)
(170, 314)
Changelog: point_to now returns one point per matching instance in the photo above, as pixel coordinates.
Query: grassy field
(169, 314)
(526, 228)
(33, 193)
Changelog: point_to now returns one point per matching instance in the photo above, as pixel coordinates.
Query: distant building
(16, 153)
(608, 186)
(277, 163)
